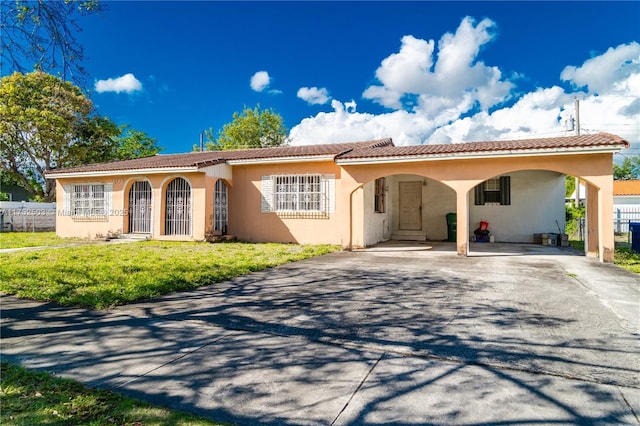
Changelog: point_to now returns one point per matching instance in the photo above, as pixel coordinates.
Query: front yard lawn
(36, 398)
(100, 276)
(32, 239)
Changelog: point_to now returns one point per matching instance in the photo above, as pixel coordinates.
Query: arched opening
(178, 208)
(518, 205)
(140, 208)
(403, 207)
(220, 207)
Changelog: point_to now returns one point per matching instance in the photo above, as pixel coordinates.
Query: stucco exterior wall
(68, 226)
(117, 222)
(247, 222)
(537, 206)
(377, 226)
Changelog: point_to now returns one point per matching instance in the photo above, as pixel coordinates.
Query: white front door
(411, 206)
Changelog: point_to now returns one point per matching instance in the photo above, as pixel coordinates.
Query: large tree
(47, 123)
(628, 170)
(41, 35)
(252, 128)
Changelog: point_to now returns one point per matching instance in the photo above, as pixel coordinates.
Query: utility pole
(577, 117)
(577, 129)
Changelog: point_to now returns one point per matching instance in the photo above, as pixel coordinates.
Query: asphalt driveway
(397, 334)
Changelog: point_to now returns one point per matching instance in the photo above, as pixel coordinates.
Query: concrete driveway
(395, 334)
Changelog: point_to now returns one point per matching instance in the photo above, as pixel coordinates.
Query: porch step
(135, 237)
(409, 236)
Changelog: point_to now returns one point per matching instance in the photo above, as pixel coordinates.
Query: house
(626, 204)
(353, 194)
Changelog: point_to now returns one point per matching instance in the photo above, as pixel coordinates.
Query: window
(494, 191)
(298, 193)
(220, 207)
(90, 200)
(379, 201)
(312, 193)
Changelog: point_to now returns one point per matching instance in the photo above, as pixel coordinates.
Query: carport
(462, 167)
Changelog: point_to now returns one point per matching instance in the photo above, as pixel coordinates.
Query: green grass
(36, 398)
(623, 257)
(32, 239)
(627, 259)
(101, 276)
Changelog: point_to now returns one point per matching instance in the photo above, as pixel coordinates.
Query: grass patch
(623, 257)
(36, 398)
(627, 259)
(32, 239)
(101, 276)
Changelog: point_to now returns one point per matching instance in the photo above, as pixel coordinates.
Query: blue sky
(419, 72)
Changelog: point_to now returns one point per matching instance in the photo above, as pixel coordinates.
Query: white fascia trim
(282, 160)
(477, 155)
(123, 172)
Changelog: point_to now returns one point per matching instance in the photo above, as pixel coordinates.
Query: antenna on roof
(202, 141)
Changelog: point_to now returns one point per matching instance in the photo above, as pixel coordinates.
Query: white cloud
(454, 79)
(454, 97)
(260, 81)
(602, 73)
(127, 83)
(313, 95)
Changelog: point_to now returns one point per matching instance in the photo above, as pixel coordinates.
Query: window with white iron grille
(88, 200)
(308, 193)
(220, 207)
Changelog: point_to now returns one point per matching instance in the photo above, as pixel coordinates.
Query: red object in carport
(484, 225)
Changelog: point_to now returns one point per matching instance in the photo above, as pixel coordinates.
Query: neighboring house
(626, 193)
(351, 194)
(15, 193)
(626, 203)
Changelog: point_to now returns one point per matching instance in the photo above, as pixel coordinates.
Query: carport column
(606, 238)
(591, 244)
(462, 219)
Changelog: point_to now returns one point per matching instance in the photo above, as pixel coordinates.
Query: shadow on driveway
(371, 337)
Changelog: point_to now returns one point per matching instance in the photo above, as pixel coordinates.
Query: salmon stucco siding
(352, 194)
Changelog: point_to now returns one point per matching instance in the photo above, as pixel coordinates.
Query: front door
(411, 206)
(140, 208)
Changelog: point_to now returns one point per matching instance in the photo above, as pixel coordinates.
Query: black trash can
(451, 227)
(634, 227)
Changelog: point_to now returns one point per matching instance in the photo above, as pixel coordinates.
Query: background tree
(41, 35)
(133, 143)
(253, 128)
(628, 170)
(47, 123)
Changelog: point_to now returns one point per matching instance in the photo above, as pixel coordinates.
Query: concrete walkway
(388, 335)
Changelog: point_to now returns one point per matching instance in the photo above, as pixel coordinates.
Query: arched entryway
(178, 208)
(140, 208)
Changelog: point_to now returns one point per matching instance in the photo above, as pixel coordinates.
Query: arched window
(220, 207)
(178, 208)
(140, 208)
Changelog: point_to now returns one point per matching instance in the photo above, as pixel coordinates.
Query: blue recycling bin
(634, 227)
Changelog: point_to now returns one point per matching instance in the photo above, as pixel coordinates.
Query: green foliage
(100, 276)
(41, 35)
(253, 128)
(38, 115)
(48, 123)
(133, 143)
(573, 215)
(627, 259)
(37, 398)
(570, 185)
(628, 170)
